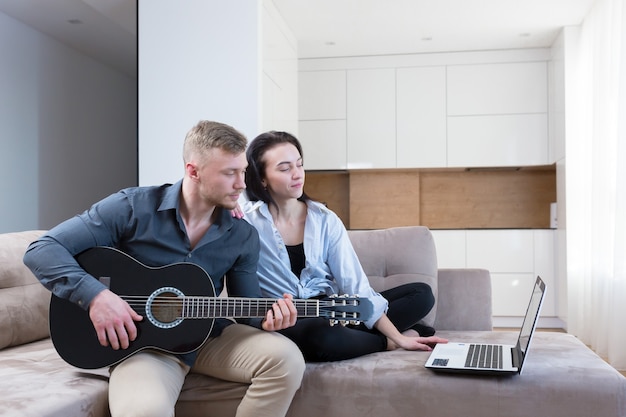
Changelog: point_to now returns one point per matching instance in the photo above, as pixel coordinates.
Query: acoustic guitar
(178, 304)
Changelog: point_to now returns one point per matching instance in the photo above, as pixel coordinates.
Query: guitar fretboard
(211, 307)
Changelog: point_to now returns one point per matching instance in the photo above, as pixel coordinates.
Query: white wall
(67, 129)
(279, 105)
(232, 62)
(197, 61)
(19, 167)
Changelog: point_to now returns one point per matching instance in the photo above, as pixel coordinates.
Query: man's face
(221, 178)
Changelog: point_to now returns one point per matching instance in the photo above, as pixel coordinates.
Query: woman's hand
(237, 212)
(417, 342)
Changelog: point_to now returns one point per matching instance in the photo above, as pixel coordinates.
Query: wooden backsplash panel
(331, 188)
(487, 199)
(438, 198)
(381, 199)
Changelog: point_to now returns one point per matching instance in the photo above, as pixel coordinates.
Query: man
(189, 221)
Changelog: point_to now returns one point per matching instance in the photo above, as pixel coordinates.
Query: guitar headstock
(346, 309)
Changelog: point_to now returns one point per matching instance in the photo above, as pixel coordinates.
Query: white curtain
(596, 185)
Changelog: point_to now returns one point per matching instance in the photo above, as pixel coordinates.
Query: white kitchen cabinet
(450, 245)
(322, 115)
(433, 111)
(514, 258)
(322, 95)
(371, 118)
(510, 294)
(503, 88)
(421, 117)
(497, 140)
(497, 114)
(324, 144)
(545, 246)
(509, 250)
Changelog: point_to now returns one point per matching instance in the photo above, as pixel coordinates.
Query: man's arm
(242, 281)
(51, 259)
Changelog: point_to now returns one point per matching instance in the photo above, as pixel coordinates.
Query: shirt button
(189, 255)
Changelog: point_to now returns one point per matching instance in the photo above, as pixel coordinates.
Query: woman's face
(284, 172)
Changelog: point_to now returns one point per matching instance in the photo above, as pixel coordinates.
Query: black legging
(321, 342)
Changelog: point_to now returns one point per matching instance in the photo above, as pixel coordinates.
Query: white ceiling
(375, 27)
(107, 32)
(326, 28)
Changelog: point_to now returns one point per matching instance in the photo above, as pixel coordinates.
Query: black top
(297, 258)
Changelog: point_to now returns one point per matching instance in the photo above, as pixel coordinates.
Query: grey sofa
(562, 376)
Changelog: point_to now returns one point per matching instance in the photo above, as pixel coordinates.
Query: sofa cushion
(24, 302)
(396, 256)
(562, 377)
(36, 382)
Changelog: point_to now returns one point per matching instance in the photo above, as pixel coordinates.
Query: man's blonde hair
(206, 135)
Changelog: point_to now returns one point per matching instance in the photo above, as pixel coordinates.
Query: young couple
(301, 250)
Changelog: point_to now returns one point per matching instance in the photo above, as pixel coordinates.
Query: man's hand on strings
(114, 320)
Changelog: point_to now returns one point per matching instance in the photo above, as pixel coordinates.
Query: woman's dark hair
(256, 165)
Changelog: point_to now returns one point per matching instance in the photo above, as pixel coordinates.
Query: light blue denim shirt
(332, 266)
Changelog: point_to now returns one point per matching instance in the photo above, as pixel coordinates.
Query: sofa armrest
(464, 300)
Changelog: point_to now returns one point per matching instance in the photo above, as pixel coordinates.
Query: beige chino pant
(148, 383)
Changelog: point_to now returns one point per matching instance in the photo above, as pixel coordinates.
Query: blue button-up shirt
(145, 223)
(332, 266)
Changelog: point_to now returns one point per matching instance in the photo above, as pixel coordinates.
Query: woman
(306, 252)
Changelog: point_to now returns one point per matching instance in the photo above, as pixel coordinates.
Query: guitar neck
(222, 307)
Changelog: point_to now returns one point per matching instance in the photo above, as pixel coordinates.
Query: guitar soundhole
(165, 307)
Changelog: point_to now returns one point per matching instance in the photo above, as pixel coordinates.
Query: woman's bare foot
(411, 333)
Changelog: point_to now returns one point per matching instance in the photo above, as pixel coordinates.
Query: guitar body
(74, 336)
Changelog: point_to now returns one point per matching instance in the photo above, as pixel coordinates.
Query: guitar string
(208, 305)
(192, 302)
(163, 300)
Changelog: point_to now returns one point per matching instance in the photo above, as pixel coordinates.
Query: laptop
(483, 358)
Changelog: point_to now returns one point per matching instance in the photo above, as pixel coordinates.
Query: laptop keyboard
(484, 356)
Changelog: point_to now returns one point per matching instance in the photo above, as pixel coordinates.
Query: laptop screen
(530, 320)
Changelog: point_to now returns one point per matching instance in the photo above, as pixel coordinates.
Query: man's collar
(171, 197)
(171, 201)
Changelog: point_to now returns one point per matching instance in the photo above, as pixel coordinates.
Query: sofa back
(398, 255)
(24, 302)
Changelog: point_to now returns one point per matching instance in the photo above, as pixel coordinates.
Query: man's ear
(192, 170)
